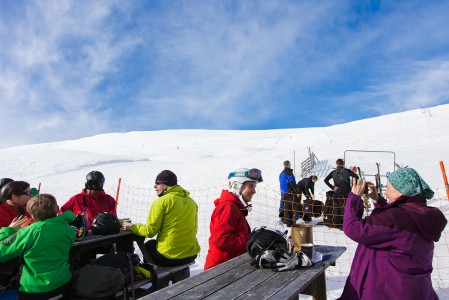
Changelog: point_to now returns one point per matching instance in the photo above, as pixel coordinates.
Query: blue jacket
(287, 181)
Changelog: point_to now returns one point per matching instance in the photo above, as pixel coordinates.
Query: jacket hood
(430, 220)
(178, 190)
(228, 196)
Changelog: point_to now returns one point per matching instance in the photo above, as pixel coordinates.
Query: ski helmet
(94, 180)
(105, 224)
(265, 238)
(240, 176)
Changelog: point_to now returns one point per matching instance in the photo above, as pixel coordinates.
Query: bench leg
(181, 275)
(320, 292)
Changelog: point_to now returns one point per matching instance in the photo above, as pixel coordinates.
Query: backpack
(104, 276)
(341, 177)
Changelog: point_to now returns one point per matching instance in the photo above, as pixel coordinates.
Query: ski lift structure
(372, 163)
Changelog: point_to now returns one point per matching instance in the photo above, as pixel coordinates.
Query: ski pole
(445, 178)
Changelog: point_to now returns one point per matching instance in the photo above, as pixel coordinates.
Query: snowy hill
(203, 158)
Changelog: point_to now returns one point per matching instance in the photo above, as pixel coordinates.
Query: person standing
(173, 217)
(290, 204)
(395, 248)
(341, 177)
(92, 199)
(229, 229)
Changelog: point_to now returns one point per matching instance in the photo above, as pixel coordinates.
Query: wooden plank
(277, 282)
(192, 282)
(216, 284)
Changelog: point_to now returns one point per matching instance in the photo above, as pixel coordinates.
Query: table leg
(320, 293)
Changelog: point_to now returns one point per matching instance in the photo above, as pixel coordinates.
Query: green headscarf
(408, 182)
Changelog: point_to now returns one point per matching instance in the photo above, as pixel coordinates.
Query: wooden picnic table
(238, 279)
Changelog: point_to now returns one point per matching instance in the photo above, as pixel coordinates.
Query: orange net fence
(135, 203)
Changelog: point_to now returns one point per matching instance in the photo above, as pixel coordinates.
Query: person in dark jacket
(289, 195)
(229, 230)
(395, 248)
(341, 177)
(306, 186)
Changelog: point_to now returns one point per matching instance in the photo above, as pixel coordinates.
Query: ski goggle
(254, 174)
(94, 185)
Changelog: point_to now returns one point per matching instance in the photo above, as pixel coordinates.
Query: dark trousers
(65, 291)
(161, 260)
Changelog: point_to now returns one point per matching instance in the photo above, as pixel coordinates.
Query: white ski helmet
(240, 176)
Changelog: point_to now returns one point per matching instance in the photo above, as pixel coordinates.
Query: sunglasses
(28, 193)
(158, 182)
(254, 174)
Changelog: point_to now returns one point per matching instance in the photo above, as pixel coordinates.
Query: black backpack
(105, 276)
(341, 177)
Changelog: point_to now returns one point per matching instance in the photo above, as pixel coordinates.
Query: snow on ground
(202, 160)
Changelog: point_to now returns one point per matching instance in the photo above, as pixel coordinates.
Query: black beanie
(167, 177)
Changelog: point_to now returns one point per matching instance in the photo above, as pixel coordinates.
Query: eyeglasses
(28, 193)
(158, 182)
(254, 174)
(94, 185)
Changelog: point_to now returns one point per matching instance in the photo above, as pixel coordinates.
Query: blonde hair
(43, 207)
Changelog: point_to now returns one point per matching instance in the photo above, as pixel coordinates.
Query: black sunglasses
(28, 193)
(158, 182)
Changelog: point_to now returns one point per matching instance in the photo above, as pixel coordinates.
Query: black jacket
(306, 186)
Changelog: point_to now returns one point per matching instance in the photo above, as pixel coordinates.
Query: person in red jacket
(17, 194)
(229, 230)
(92, 199)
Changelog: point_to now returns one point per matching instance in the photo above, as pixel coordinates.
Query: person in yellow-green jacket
(173, 217)
(45, 247)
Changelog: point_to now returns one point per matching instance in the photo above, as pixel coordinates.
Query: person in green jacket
(173, 217)
(45, 247)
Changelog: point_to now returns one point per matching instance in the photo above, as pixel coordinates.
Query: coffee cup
(307, 249)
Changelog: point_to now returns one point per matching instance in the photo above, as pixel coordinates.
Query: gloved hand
(292, 260)
(267, 259)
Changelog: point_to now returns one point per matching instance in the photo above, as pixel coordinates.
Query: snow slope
(202, 159)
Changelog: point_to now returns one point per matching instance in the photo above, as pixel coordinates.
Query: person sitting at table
(173, 217)
(395, 248)
(3, 182)
(229, 230)
(92, 199)
(44, 246)
(17, 195)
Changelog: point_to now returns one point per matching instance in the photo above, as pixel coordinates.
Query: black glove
(292, 260)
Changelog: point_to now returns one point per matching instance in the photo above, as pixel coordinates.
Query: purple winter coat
(394, 257)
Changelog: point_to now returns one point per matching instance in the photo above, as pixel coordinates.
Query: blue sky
(70, 69)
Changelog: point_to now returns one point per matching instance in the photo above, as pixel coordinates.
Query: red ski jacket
(229, 230)
(94, 205)
(9, 211)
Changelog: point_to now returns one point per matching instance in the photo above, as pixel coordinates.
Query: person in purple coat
(395, 248)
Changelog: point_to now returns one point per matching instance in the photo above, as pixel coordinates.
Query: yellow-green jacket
(174, 218)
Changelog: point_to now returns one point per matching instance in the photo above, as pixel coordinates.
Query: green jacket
(174, 218)
(45, 247)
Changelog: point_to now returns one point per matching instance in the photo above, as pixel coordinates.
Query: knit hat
(167, 177)
(408, 182)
